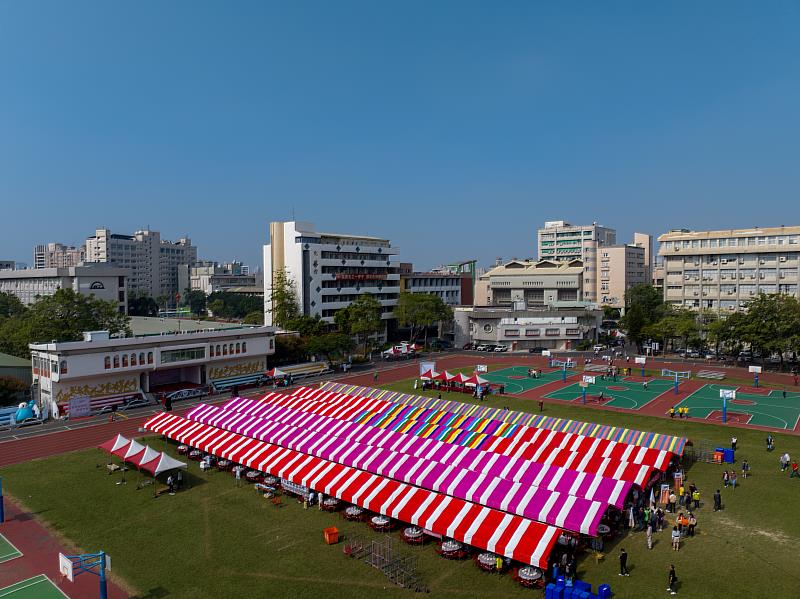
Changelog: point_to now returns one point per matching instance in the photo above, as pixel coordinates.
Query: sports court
(516, 379)
(621, 393)
(751, 406)
(7, 550)
(38, 587)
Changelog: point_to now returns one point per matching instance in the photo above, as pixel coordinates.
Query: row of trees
(770, 324)
(63, 316)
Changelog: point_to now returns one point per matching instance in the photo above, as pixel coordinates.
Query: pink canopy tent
(475, 380)
(114, 444)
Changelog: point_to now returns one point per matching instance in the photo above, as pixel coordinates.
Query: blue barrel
(549, 591)
(604, 591)
(728, 456)
(582, 585)
(582, 594)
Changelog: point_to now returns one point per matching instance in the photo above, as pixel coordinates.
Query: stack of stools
(578, 590)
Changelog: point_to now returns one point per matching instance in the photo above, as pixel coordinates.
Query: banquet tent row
(393, 415)
(460, 378)
(552, 478)
(613, 433)
(143, 457)
(512, 536)
(556, 508)
(597, 455)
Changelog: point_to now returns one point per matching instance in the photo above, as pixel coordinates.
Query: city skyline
(453, 134)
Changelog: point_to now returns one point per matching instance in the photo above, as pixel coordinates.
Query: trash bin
(604, 591)
(728, 456)
(331, 535)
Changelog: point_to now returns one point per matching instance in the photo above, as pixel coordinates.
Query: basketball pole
(755, 380)
(2, 503)
(676, 383)
(564, 373)
(584, 394)
(724, 410)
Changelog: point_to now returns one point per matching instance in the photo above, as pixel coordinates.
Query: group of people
(785, 461)
(682, 412)
(672, 577)
(534, 373)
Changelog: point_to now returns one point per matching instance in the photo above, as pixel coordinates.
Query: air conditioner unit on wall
(783, 258)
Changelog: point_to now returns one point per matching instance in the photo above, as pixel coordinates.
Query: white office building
(101, 281)
(330, 270)
(152, 263)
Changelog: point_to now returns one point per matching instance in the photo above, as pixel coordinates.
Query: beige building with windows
(57, 255)
(621, 267)
(524, 284)
(723, 270)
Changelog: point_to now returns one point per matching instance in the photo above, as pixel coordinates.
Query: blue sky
(453, 128)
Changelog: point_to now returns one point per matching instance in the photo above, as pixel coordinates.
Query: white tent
(133, 449)
(161, 463)
(114, 444)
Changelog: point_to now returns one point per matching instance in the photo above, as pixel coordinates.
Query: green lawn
(215, 540)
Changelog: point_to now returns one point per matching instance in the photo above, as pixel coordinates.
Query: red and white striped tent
(428, 375)
(515, 537)
(161, 463)
(444, 376)
(114, 444)
(475, 380)
(275, 373)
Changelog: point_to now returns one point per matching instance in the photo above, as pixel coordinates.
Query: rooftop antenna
(292, 212)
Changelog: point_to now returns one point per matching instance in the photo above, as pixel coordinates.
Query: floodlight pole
(2, 503)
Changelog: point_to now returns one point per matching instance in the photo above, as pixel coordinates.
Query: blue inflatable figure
(25, 412)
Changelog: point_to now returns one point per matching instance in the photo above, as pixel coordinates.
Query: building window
(116, 361)
(552, 332)
(149, 357)
(124, 360)
(63, 367)
(244, 347)
(238, 348)
(512, 332)
(219, 352)
(230, 348)
(183, 355)
(133, 359)
(224, 349)
(141, 359)
(532, 332)
(107, 362)
(211, 351)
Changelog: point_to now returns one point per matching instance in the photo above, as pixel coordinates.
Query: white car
(482, 348)
(501, 348)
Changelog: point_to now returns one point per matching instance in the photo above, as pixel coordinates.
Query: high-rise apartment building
(7, 265)
(562, 241)
(330, 270)
(723, 270)
(56, 255)
(152, 262)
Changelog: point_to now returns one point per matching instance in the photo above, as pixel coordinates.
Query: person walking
(692, 524)
(725, 479)
(676, 539)
(745, 468)
(171, 485)
(671, 580)
(794, 471)
(734, 440)
(375, 377)
(733, 480)
(717, 501)
(770, 442)
(784, 461)
(623, 563)
(696, 498)
(671, 504)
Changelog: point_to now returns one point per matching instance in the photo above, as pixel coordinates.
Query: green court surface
(7, 550)
(623, 394)
(38, 587)
(516, 378)
(762, 409)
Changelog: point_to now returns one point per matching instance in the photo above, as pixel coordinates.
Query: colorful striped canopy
(509, 535)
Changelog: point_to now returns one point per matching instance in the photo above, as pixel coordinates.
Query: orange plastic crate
(331, 535)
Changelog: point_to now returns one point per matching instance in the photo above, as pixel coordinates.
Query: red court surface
(40, 556)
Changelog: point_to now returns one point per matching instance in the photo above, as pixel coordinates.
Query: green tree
(418, 311)
(255, 317)
(634, 322)
(648, 298)
(10, 305)
(290, 349)
(224, 304)
(11, 390)
(141, 304)
(283, 298)
(307, 326)
(196, 300)
(362, 319)
(770, 324)
(331, 346)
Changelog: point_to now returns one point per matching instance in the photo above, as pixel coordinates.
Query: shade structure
(508, 535)
(514, 418)
(428, 375)
(392, 351)
(475, 380)
(444, 376)
(460, 378)
(161, 463)
(114, 444)
(132, 449)
(275, 372)
(483, 485)
(149, 454)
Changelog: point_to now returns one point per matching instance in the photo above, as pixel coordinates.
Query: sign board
(727, 393)
(481, 368)
(583, 384)
(755, 369)
(640, 360)
(546, 353)
(65, 567)
(79, 406)
(108, 562)
(589, 380)
(426, 366)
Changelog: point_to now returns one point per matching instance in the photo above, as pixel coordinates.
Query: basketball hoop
(65, 567)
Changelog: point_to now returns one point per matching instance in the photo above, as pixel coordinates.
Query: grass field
(619, 394)
(8, 551)
(38, 587)
(215, 540)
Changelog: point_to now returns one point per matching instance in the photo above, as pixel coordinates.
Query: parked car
(482, 348)
(745, 356)
(491, 346)
(537, 350)
(468, 346)
(693, 353)
(501, 348)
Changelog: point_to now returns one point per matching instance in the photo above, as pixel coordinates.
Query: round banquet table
(353, 512)
(529, 574)
(253, 475)
(380, 521)
(271, 480)
(330, 503)
(488, 559)
(195, 454)
(223, 464)
(183, 449)
(413, 532)
(451, 546)
(603, 529)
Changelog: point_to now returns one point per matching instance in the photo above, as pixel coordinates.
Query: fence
(384, 555)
